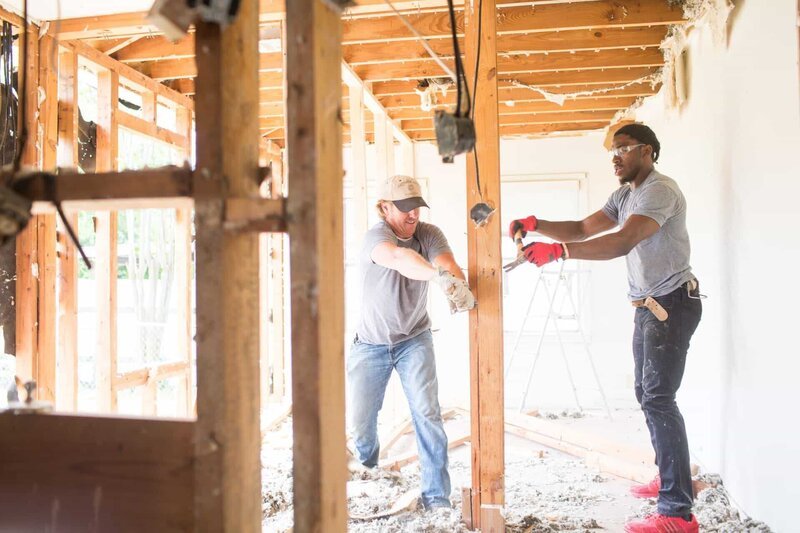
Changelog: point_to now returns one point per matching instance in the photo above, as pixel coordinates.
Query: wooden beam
(67, 385)
(531, 107)
(149, 128)
(168, 183)
(105, 275)
(559, 81)
(314, 141)
(525, 130)
(485, 274)
(27, 262)
(519, 19)
(526, 119)
(227, 439)
(358, 163)
(183, 278)
(134, 76)
(156, 47)
(512, 64)
(105, 266)
(517, 43)
(108, 474)
(46, 240)
(522, 94)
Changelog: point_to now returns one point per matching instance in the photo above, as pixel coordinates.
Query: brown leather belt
(658, 311)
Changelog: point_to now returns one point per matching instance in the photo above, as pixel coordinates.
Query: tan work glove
(461, 298)
(456, 290)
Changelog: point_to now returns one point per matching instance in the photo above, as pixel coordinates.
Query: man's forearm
(565, 231)
(411, 265)
(606, 247)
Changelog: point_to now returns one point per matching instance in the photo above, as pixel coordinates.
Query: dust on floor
(546, 491)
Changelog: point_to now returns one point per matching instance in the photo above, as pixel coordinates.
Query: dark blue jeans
(659, 355)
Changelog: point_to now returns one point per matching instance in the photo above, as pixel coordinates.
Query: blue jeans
(369, 368)
(659, 354)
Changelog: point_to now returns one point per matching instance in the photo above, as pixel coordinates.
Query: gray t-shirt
(394, 307)
(659, 264)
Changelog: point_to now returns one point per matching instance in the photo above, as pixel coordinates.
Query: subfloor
(546, 490)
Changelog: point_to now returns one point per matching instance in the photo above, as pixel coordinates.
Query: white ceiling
(49, 9)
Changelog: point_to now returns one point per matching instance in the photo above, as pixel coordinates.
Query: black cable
(475, 96)
(22, 77)
(452, 12)
(477, 59)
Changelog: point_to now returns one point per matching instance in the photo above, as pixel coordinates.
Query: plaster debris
(713, 509)
(546, 491)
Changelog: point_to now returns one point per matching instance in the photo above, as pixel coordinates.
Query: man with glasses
(650, 211)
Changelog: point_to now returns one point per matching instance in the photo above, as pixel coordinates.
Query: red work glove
(524, 224)
(541, 253)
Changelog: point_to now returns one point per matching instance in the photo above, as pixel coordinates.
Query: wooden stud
(67, 385)
(514, 64)
(485, 276)
(46, 239)
(105, 266)
(382, 145)
(150, 111)
(227, 440)
(27, 263)
(358, 168)
(133, 76)
(183, 275)
(317, 260)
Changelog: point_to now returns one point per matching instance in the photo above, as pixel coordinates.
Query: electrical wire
(22, 78)
(422, 41)
(475, 97)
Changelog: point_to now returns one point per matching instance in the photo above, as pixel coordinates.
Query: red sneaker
(649, 490)
(658, 523)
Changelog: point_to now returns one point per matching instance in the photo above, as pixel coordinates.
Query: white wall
(734, 149)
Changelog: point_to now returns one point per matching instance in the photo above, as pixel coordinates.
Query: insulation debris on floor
(546, 491)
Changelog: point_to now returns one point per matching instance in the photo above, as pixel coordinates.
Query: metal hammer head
(480, 213)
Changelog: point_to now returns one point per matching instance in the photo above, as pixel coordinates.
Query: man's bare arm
(404, 260)
(575, 230)
(636, 229)
(448, 262)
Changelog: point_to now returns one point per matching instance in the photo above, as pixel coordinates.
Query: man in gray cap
(399, 257)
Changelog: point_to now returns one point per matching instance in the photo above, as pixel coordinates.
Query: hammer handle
(518, 240)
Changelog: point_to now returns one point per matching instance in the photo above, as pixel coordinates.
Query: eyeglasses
(619, 151)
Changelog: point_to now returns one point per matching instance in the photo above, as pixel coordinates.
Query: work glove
(541, 253)
(445, 280)
(461, 299)
(524, 224)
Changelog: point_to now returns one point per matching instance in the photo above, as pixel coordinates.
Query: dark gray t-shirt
(659, 264)
(394, 307)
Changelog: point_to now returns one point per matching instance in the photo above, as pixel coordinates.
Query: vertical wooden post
(408, 167)
(485, 276)
(390, 159)
(27, 264)
(276, 298)
(382, 143)
(314, 144)
(183, 274)
(67, 154)
(105, 275)
(105, 266)
(227, 441)
(150, 108)
(46, 240)
(358, 170)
